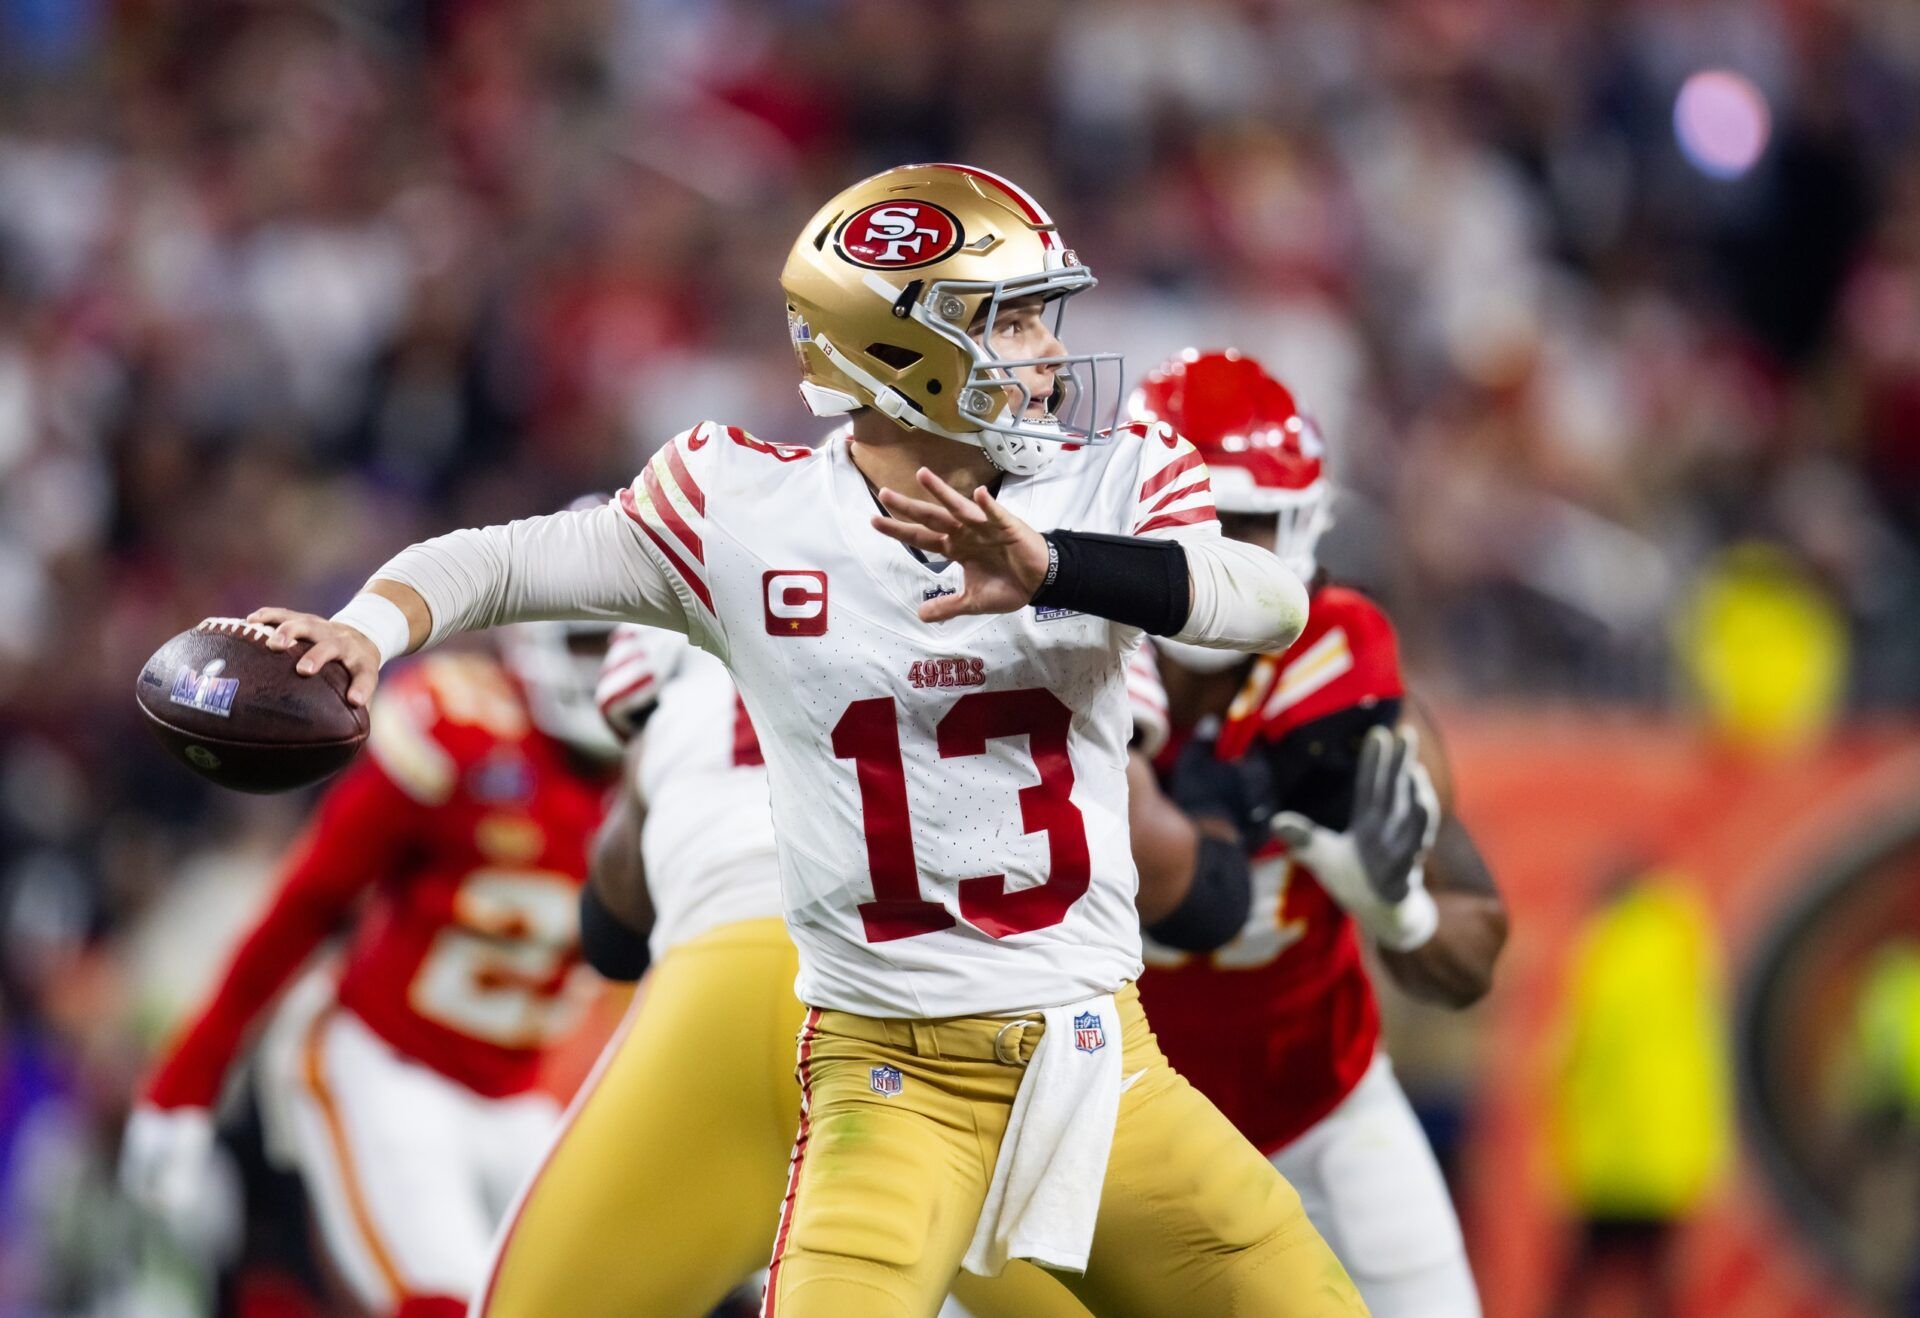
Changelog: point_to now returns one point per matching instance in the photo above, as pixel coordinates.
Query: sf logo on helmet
(898, 235)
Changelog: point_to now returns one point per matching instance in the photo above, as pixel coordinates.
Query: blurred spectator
(1643, 1109)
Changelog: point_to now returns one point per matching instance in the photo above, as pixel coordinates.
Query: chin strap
(825, 402)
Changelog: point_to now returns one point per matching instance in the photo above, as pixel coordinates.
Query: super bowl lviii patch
(205, 690)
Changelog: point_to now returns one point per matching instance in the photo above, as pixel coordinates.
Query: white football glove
(166, 1160)
(1147, 701)
(1375, 869)
(639, 661)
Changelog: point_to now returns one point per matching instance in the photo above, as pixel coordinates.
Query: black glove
(1374, 867)
(1238, 791)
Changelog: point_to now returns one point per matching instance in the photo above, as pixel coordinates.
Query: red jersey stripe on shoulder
(1201, 486)
(694, 583)
(1185, 517)
(677, 466)
(1168, 474)
(671, 516)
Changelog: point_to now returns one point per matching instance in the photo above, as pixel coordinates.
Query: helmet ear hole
(893, 355)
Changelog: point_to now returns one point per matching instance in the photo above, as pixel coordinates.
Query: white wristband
(380, 620)
(1408, 924)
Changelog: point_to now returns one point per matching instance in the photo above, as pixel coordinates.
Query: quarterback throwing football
(939, 691)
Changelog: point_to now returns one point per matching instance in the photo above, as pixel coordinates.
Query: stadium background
(1612, 311)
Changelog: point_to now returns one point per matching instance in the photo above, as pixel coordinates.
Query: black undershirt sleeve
(1216, 906)
(607, 943)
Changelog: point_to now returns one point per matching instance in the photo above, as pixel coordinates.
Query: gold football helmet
(886, 282)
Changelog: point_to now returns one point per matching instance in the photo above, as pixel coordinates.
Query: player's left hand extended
(1004, 559)
(1375, 868)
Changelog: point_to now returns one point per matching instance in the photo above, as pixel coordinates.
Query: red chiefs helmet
(1263, 453)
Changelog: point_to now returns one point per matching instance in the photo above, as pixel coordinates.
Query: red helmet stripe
(1028, 206)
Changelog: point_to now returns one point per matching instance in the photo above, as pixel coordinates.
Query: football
(238, 714)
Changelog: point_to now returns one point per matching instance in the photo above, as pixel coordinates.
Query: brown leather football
(238, 714)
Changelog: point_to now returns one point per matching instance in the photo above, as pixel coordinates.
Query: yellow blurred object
(1643, 1114)
(1765, 646)
(1888, 1027)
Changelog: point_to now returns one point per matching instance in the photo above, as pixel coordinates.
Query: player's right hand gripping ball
(238, 714)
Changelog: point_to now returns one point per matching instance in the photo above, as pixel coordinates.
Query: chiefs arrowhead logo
(898, 235)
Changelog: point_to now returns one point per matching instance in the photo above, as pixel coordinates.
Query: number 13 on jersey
(868, 733)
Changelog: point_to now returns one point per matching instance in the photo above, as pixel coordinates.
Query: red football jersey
(1280, 1024)
(456, 847)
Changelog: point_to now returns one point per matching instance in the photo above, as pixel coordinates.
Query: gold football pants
(890, 1173)
(663, 1191)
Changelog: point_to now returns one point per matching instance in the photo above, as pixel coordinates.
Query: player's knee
(841, 1287)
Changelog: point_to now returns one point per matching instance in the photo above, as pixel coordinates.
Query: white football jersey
(949, 799)
(707, 842)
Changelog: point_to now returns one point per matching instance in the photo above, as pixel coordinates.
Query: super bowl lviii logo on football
(899, 235)
(204, 689)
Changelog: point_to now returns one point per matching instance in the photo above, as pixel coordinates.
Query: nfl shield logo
(1088, 1037)
(886, 1080)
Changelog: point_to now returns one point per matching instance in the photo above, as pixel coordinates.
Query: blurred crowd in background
(1607, 309)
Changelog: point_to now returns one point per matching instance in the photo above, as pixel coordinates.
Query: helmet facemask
(1084, 404)
(1300, 524)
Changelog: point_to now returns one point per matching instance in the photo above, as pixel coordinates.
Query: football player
(684, 887)
(939, 691)
(456, 848)
(1280, 1027)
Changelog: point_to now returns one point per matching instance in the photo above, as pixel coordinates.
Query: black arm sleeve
(1123, 578)
(1216, 906)
(609, 945)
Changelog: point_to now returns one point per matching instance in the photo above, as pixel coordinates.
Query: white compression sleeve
(1244, 598)
(586, 564)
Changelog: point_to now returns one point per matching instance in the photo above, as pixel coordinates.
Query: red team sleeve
(355, 839)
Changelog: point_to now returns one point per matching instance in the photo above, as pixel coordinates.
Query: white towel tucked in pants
(1045, 1193)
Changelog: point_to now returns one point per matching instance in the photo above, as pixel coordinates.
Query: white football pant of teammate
(1368, 1179)
(409, 1172)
